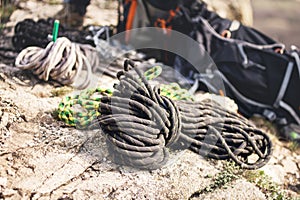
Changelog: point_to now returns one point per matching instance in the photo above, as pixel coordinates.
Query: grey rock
(240, 189)
(9, 193)
(66, 163)
(290, 166)
(4, 119)
(3, 182)
(276, 172)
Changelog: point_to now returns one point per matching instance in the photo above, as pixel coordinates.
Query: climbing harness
(142, 126)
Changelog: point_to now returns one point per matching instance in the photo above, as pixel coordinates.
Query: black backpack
(258, 72)
(149, 13)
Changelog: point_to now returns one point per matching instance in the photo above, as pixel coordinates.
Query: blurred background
(279, 19)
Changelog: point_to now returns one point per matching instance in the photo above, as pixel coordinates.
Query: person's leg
(72, 14)
(78, 6)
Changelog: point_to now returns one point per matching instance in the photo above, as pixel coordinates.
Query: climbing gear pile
(64, 60)
(142, 126)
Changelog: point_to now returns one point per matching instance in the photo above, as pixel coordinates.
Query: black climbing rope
(142, 127)
(36, 33)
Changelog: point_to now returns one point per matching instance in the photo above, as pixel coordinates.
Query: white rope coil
(62, 61)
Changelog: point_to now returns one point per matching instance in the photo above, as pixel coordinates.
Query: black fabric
(123, 9)
(164, 5)
(261, 79)
(78, 6)
(35, 33)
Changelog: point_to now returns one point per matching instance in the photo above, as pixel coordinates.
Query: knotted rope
(142, 126)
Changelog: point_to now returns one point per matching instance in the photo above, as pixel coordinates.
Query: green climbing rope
(88, 103)
(175, 92)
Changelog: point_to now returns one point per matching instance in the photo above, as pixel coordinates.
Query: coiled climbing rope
(142, 127)
(82, 109)
(62, 61)
(88, 102)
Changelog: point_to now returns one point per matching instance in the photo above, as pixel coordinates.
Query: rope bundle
(88, 103)
(80, 110)
(142, 127)
(217, 133)
(62, 61)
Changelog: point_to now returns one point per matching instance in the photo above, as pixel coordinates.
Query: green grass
(293, 146)
(2, 26)
(232, 172)
(54, 2)
(266, 185)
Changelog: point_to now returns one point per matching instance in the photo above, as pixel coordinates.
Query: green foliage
(293, 146)
(230, 173)
(2, 26)
(266, 185)
(54, 2)
(233, 172)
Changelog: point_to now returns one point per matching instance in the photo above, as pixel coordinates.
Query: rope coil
(142, 126)
(87, 103)
(138, 121)
(62, 61)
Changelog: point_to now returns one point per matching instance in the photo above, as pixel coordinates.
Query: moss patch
(232, 172)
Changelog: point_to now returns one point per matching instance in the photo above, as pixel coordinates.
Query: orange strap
(172, 14)
(221, 92)
(160, 23)
(130, 17)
